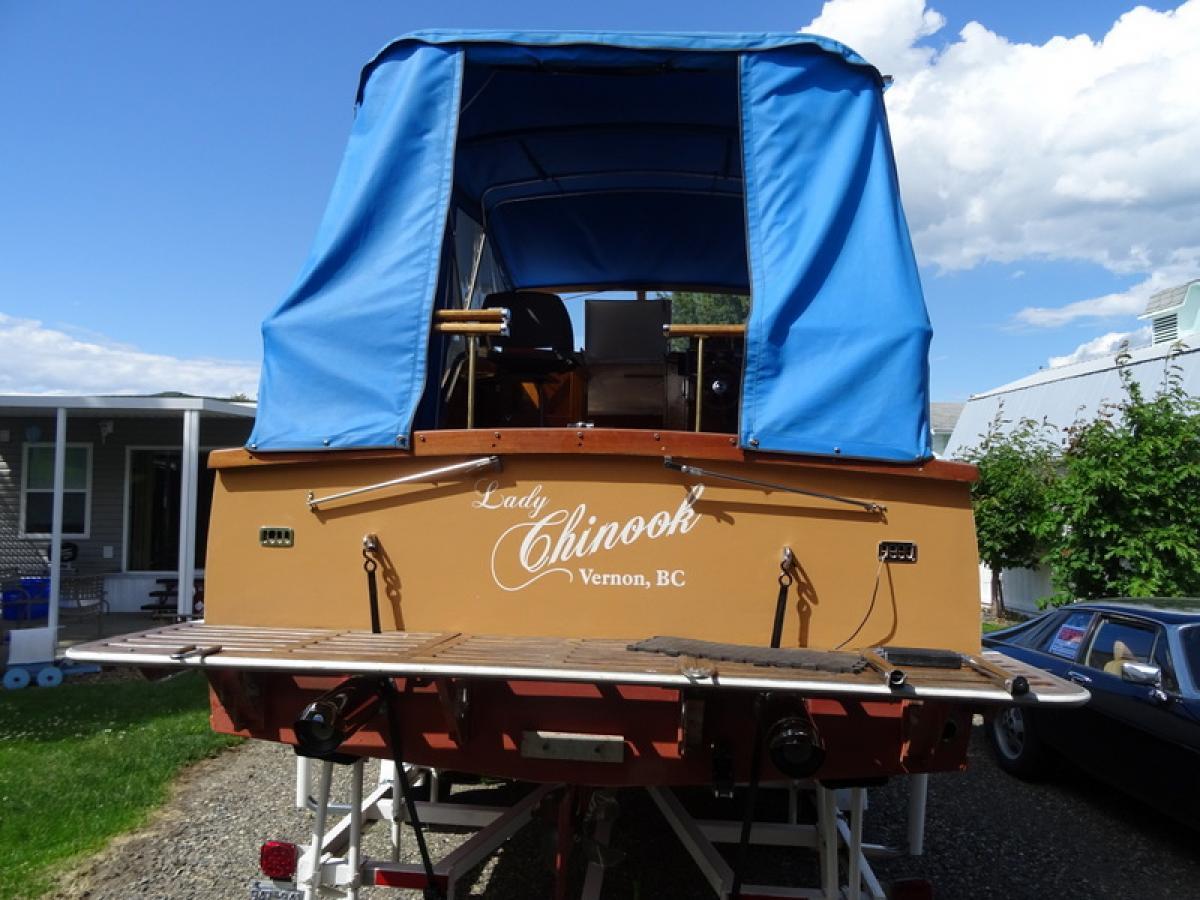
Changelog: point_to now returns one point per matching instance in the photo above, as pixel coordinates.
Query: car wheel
(1016, 745)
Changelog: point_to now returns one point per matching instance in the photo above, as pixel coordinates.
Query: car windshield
(1191, 650)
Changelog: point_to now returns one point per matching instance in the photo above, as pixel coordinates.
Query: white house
(120, 482)
(942, 419)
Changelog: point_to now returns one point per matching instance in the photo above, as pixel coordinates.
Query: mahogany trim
(589, 441)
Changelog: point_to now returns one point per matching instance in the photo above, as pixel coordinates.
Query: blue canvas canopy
(735, 162)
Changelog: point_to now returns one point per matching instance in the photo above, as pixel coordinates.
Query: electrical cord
(870, 608)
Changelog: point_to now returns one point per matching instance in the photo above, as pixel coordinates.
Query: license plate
(261, 891)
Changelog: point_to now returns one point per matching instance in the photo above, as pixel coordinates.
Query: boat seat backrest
(537, 320)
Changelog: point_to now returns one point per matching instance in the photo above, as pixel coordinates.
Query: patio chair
(164, 600)
(81, 597)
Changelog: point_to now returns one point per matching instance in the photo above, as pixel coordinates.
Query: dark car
(1140, 659)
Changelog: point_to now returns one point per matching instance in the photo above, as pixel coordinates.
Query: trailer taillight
(277, 859)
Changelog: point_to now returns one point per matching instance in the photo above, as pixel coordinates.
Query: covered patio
(108, 489)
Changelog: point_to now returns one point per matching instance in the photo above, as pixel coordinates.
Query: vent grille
(1166, 329)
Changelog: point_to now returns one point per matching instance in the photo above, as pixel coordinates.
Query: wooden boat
(452, 539)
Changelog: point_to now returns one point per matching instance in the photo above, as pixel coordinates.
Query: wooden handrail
(683, 331)
(499, 329)
(472, 323)
(494, 314)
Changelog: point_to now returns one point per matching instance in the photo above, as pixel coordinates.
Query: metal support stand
(565, 840)
(593, 879)
(854, 860)
(472, 351)
(833, 831)
(354, 853)
(303, 780)
(337, 868)
(827, 827)
(387, 772)
(308, 874)
(918, 792)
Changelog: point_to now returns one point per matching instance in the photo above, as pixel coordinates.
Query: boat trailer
(333, 864)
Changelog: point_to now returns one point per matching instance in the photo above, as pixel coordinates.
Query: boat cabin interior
(595, 211)
(520, 361)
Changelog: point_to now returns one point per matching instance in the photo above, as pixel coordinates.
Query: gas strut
(698, 472)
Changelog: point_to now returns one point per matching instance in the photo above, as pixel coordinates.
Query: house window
(37, 490)
(153, 513)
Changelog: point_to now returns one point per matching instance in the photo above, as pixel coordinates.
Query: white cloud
(1126, 303)
(1105, 345)
(41, 360)
(885, 37)
(1183, 266)
(1074, 149)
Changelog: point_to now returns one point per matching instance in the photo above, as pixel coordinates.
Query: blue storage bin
(38, 588)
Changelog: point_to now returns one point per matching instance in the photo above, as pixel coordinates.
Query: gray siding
(108, 479)
(14, 552)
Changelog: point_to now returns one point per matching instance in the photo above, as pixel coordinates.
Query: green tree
(1012, 497)
(691, 308)
(1126, 518)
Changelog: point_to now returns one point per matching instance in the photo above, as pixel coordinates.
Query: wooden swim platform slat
(602, 661)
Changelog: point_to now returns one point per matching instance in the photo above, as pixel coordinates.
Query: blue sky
(163, 168)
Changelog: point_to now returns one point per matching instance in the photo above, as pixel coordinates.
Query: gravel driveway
(987, 836)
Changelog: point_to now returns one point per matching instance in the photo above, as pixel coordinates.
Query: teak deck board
(452, 654)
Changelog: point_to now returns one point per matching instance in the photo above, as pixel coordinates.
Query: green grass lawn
(81, 763)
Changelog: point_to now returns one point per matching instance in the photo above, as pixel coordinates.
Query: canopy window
(592, 175)
(483, 163)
